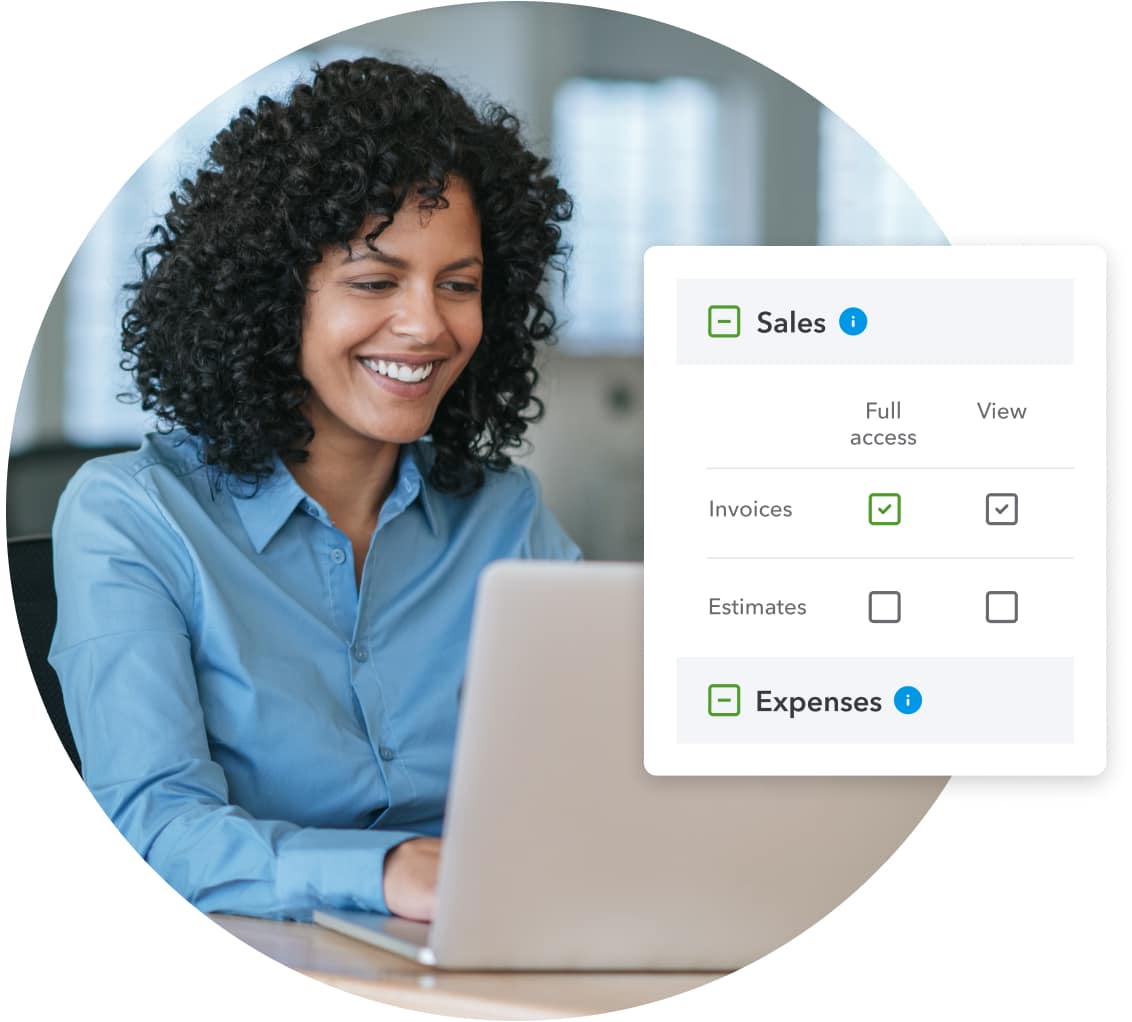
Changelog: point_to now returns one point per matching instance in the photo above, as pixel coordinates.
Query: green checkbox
(723, 321)
(723, 700)
(884, 508)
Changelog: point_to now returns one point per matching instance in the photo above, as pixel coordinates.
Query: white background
(1009, 120)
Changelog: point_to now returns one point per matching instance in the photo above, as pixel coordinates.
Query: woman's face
(386, 332)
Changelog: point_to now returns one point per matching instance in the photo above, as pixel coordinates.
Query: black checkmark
(1001, 510)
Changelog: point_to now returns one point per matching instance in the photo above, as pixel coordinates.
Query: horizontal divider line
(898, 557)
(891, 468)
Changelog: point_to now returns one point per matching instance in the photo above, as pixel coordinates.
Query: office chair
(33, 588)
(36, 478)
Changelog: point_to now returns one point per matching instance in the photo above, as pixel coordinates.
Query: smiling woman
(264, 612)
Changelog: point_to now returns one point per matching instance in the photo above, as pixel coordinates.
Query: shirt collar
(264, 511)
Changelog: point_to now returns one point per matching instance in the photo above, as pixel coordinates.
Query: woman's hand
(410, 875)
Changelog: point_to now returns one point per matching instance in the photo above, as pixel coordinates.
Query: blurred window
(861, 199)
(641, 160)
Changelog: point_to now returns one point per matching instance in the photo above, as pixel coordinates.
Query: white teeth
(400, 370)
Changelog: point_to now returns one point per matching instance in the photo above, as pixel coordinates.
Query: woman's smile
(406, 376)
(404, 370)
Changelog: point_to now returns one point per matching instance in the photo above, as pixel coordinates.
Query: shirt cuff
(336, 868)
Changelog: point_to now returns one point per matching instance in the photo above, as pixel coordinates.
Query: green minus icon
(723, 321)
(723, 700)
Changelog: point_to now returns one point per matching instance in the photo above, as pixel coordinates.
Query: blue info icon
(853, 321)
(908, 699)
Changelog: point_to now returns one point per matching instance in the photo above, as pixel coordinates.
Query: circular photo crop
(325, 511)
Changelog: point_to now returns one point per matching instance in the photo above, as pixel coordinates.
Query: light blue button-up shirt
(261, 729)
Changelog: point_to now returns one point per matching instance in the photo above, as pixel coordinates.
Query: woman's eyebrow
(358, 254)
(459, 264)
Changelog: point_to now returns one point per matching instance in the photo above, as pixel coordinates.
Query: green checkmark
(884, 508)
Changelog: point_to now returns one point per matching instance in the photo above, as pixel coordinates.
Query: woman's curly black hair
(213, 328)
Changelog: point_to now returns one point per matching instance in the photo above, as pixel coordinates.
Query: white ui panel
(875, 510)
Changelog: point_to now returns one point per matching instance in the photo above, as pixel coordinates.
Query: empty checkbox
(1002, 608)
(884, 607)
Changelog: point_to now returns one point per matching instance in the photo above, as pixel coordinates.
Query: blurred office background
(662, 137)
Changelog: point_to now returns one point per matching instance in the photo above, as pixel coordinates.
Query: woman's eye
(372, 285)
(462, 287)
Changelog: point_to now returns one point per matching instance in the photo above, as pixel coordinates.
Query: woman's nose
(418, 317)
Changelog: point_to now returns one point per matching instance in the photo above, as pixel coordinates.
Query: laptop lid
(561, 852)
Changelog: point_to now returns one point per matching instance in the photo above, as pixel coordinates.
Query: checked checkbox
(1002, 509)
(884, 508)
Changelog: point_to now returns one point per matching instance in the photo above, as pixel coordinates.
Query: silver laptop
(561, 852)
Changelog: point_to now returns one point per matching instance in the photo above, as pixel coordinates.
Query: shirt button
(385, 753)
(338, 555)
(361, 654)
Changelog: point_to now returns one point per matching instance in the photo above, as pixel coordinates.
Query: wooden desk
(381, 976)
